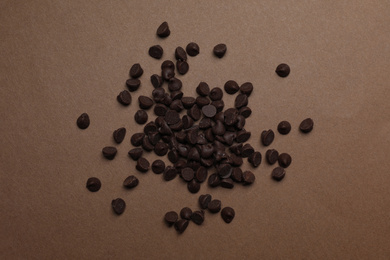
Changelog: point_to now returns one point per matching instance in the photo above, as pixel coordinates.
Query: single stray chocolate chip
(278, 173)
(93, 184)
(136, 71)
(181, 225)
(133, 84)
(118, 205)
(156, 51)
(109, 152)
(248, 177)
(119, 135)
(193, 186)
(83, 121)
(307, 125)
(282, 70)
(130, 182)
(192, 49)
(231, 87)
(228, 214)
(284, 127)
(267, 137)
(272, 156)
(124, 98)
(171, 217)
(284, 160)
(220, 50)
(142, 165)
(163, 30)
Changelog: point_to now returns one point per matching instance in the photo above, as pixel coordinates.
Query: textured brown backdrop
(62, 58)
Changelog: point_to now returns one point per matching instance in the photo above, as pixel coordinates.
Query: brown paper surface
(62, 58)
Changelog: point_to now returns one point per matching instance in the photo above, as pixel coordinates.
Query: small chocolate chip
(227, 214)
(119, 135)
(284, 160)
(168, 64)
(185, 213)
(272, 156)
(83, 121)
(220, 50)
(197, 217)
(158, 166)
(133, 84)
(245, 111)
(216, 94)
(203, 89)
(306, 125)
(201, 174)
(163, 30)
(156, 51)
(255, 159)
(141, 117)
(284, 127)
(231, 87)
(227, 183)
(135, 153)
(180, 54)
(241, 101)
(109, 152)
(204, 200)
(246, 88)
(142, 165)
(236, 174)
(118, 205)
(181, 225)
(248, 177)
(182, 67)
(145, 102)
(161, 149)
(171, 217)
(124, 98)
(187, 174)
(214, 206)
(156, 80)
(247, 150)
(188, 102)
(278, 173)
(194, 113)
(174, 84)
(193, 186)
(172, 117)
(130, 182)
(167, 73)
(93, 184)
(214, 180)
(169, 173)
(267, 137)
(209, 111)
(136, 71)
(282, 70)
(202, 101)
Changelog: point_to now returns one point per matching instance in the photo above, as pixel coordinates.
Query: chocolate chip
(284, 160)
(282, 70)
(197, 217)
(180, 54)
(93, 184)
(247, 150)
(306, 125)
(176, 105)
(161, 149)
(203, 89)
(172, 117)
(209, 111)
(167, 73)
(192, 49)
(245, 111)
(156, 80)
(181, 225)
(236, 174)
(177, 94)
(227, 214)
(202, 101)
(214, 206)
(204, 200)
(171, 217)
(135, 153)
(119, 135)
(146, 144)
(231, 87)
(267, 137)
(142, 165)
(160, 109)
(154, 137)
(225, 170)
(158, 166)
(185, 213)
(284, 127)
(255, 159)
(124, 98)
(188, 102)
(219, 105)
(174, 84)
(218, 128)
(194, 113)
(130, 182)
(118, 205)
(145, 102)
(193, 186)
(241, 101)
(156, 51)
(182, 67)
(278, 173)
(178, 126)
(246, 88)
(187, 174)
(150, 127)
(236, 149)
(158, 94)
(214, 180)
(109, 152)
(227, 183)
(169, 173)
(201, 174)
(272, 156)
(240, 122)
(137, 139)
(163, 30)
(168, 64)
(248, 177)
(216, 94)
(141, 117)
(220, 50)
(133, 84)
(136, 71)
(83, 121)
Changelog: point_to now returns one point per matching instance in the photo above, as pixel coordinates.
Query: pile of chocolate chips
(198, 134)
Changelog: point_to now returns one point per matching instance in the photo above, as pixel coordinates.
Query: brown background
(61, 59)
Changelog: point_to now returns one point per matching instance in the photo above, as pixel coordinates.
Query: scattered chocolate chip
(169, 173)
(219, 105)
(284, 127)
(246, 88)
(160, 109)
(156, 80)
(130, 182)
(227, 214)
(307, 125)
(167, 73)
(168, 64)
(278, 173)
(171, 217)
(118, 205)
(201, 174)
(214, 206)
(158, 166)
(161, 149)
(187, 174)
(141, 117)
(174, 84)
(267, 137)
(119, 135)
(188, 102)
(142, 165)
(182, 67)
(248, 177)
(227, 183)
(231, 87)
(194, 113)
(220, 50)
(109, 152)
(216, 94)
(236, 174)
(83, 121)
(193, 186)
(247, 150)
(124, 98)
(255, 159)
(137, 139)
(135, 153)
(282, 70)
(245, 111)
(192, 49)
(204, 200)
(203, 89)
(172, 117)
(185, 213)
(180, 54)
(181, 225)
(163, 30)
(224, 170)
(214, 180)
(156, 51)
(209, 111)
(272, 156)
(241, 101)
(197, 217)
(93, 184)
(145, 102)
(136, 71)
(202, 101)
(284, 160)
(133, 84)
